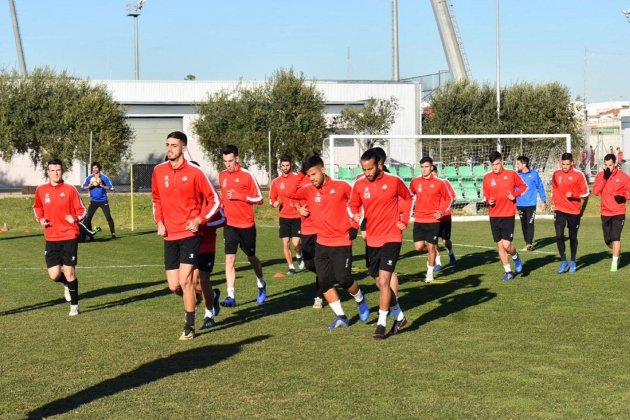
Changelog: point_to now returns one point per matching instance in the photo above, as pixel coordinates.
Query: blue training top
(98, 194)
(534, 186)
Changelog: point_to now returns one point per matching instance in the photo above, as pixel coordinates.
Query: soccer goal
(462, 159)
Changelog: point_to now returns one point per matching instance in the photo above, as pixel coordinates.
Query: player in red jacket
(569, 192)
(446, 225)
(433, 201)
(239, 193)
(183, 199)
(614, 187)
(58, 209)
(386, 204)
(500, 188)
(327, 203)
(286, 183)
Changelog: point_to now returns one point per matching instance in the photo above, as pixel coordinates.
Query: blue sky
(541, 41)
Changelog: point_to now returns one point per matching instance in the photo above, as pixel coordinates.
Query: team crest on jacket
(493, 183)
(318, 198)
(282, 185)
(184, 179)
(366, 193)
(332, 191)
(236, 180)
(62, 195)
(505, 178)
(224, 183)
(384, 187)
(431, 186)
(166, 181)
(570, 178)
(47, 198)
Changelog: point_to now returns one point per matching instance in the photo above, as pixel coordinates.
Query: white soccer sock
(230, 291)
(615, 260)
(209, 313)
(438, 260)
(291, 267)
(429, 270)
(298, 256)
(507, 268)
(261, 282)
(358, 297)
(382, 318)
(336, 307)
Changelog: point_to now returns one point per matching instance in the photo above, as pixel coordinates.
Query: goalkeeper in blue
(526, 203)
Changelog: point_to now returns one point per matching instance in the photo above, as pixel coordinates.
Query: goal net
(461, 159)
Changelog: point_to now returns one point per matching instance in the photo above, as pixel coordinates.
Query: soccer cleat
(66, 293)
(429, 278)
(518, 265)
(451, 259)
(300, 264)
(340, 322)
(572, 267)
(114, 236)
(508, 276)
(563, 267)
(262, 294)
(379, 334)
(437, 268)
(364, 310)
(97, 229)
(529, 247)
(613, 267)
(291, 272)
(398, 325)
(229, 302)
(208, 323)
(188, 334)
(74, 310)
(318, 303)
(216, 306)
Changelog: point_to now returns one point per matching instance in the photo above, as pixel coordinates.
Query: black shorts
(562, 220)
(502, 228)
(445, 228)
(308, 247)
(383, 258)
(62, 253)
(206, 262)
(181, 251)
(612, 227)
(426, 232)
(245, 238)
(289, 228)
(333, 264)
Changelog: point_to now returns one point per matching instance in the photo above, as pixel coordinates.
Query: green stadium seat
(417, 171)
(479, 171)
(468, 183)
(511, 167)
(346, 174)
(450, 172)
(406, 173)
(471, 194)
(465, 172)
(393, 170)
(458, 193)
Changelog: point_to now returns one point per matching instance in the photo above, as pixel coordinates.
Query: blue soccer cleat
(518, 265)
(364, 310)
(563, 267)
(508, 276)
(437, 268)
(340, 322)
(262, 294)
(572, 267)
(451, 259)
(208, 323)
(229, 302)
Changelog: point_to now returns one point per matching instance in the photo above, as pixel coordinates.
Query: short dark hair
(229, 150)
(524, 160)
(98, 165)
(381, 154)
(494, 155)
(566, 156)
(179, 136)
(371, 154)
(610, 156)
(54, 161)
(426, 159)
(286, 158)
(312, 161)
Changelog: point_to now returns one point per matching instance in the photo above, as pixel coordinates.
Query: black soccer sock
(190, 320)
(573, 244)
(62, 279)
(73, 287)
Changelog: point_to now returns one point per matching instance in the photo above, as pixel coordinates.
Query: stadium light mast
(395, 67)
(626, 12)
(133, 10)
(18, 39)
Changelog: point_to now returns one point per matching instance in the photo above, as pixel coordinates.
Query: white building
(155, 108)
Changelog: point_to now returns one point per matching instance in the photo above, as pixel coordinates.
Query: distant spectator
(591, 155)
(98, 184)
(611, 151)
(620, 159)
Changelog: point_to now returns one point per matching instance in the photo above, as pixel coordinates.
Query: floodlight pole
(498, 64)
(626, 12)
(133, 10)
(395, 66)
(18, 39)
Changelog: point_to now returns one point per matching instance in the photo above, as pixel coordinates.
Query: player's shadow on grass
(467, 261)
(185, 361)
(87, 295)
(534, 264)
(543, 242)
(453, 304)
(593, 258)
(131, 299)
(8, 238)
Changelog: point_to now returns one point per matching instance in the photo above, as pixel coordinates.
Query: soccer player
(432, 202)
(239, 193)
(526, 203)
(446, 224)
(183, 199)
(326, 200)
(207, 250)
(287, 182)
(569, 192)
(501, 187)
(98, 184)
(58, 209)
(386, 203)
(614, 187)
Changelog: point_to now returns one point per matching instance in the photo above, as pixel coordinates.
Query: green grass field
(541, 346)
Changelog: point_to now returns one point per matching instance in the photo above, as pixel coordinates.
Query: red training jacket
(239, 211)
(180, 195)
(572, 181)
(209, 232)
(431, 195)
(280, 187)
(617, 184)
(498, 186)
(53, 203)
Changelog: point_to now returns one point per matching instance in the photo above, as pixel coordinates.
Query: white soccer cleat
(318, 303)
(429, 278)
(74, 310)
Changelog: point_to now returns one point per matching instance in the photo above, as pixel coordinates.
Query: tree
(376, 117)
(284, 105)
(190, 77)
(49, 115)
